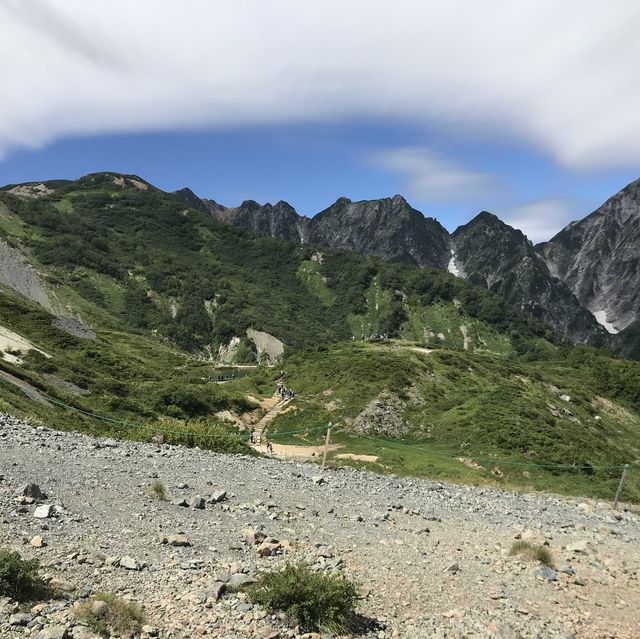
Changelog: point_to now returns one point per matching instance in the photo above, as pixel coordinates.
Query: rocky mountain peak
(599, 259)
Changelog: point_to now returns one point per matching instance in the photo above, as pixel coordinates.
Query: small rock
(38, 542)
(197, 502)
(178, 540)
(318, 479)
(150, 631)
(62, 584)
(43, 512)
(99, 608)
(53, 632)
(180, 502)
(216, 591)
(238, 580)
(502, 631)
(453, 568)
(581, 546)
(546, 573)
(129, 563)
(218, 496)
(33, 491)
(20, 619)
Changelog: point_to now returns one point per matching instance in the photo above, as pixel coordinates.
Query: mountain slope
(126, 257)
(599, 259)
(589, 270)
(500, 258)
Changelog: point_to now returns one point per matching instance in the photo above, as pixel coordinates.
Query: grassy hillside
(567, 423)
(137, 259)
(142, 386)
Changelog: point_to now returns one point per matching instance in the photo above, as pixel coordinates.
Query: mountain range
(584, 282)
(121, 305)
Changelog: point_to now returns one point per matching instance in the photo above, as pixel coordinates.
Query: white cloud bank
(433, 177)
(542, 219)
(557, 74)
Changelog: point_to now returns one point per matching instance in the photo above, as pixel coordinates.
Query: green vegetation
(138, 260)
(315, 601)
(19, 578)
(534, 552)
(475, 417)
(107, 612)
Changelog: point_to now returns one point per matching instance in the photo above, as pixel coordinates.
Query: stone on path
(43, 512)
(239, 580)
(129, 563)
(33, 491)
(38, 542)
(197, 502)
(546, 573)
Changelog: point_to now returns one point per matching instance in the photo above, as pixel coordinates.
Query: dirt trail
(275, 406)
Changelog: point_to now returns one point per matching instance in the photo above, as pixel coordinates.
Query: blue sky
(524, 109)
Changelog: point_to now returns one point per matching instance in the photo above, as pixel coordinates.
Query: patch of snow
(452, 267)
(601, 318)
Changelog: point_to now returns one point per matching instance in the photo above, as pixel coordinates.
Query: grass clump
(535, 552)
(19, 578)
(107, 612)
(158, 491)
(315, 601)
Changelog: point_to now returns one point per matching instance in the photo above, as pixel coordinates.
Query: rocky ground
(432, 559)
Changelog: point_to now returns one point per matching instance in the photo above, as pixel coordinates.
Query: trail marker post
(624, 476)
(326, 445)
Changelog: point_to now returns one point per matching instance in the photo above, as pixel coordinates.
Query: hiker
(251, 438)
(269, 447)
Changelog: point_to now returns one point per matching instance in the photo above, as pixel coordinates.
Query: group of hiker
(284, 392)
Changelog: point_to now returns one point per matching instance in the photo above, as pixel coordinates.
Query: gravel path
(432, 558)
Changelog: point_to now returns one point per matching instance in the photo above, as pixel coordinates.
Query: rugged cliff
(494, 255)
(599, 259)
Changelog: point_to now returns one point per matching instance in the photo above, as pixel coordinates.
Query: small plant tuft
(158, 491)
(315, 601)
(19, 578)
(534, 552)
(113, 614)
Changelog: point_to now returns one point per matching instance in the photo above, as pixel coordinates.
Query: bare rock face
(267, 345)
(389, 228)
(275, 220)
(383, 416)
(501, 258)
(19, 275)
(599, 259)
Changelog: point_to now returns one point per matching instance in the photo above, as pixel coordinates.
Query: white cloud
(542, 219)
(431, 176)
(555, 74)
